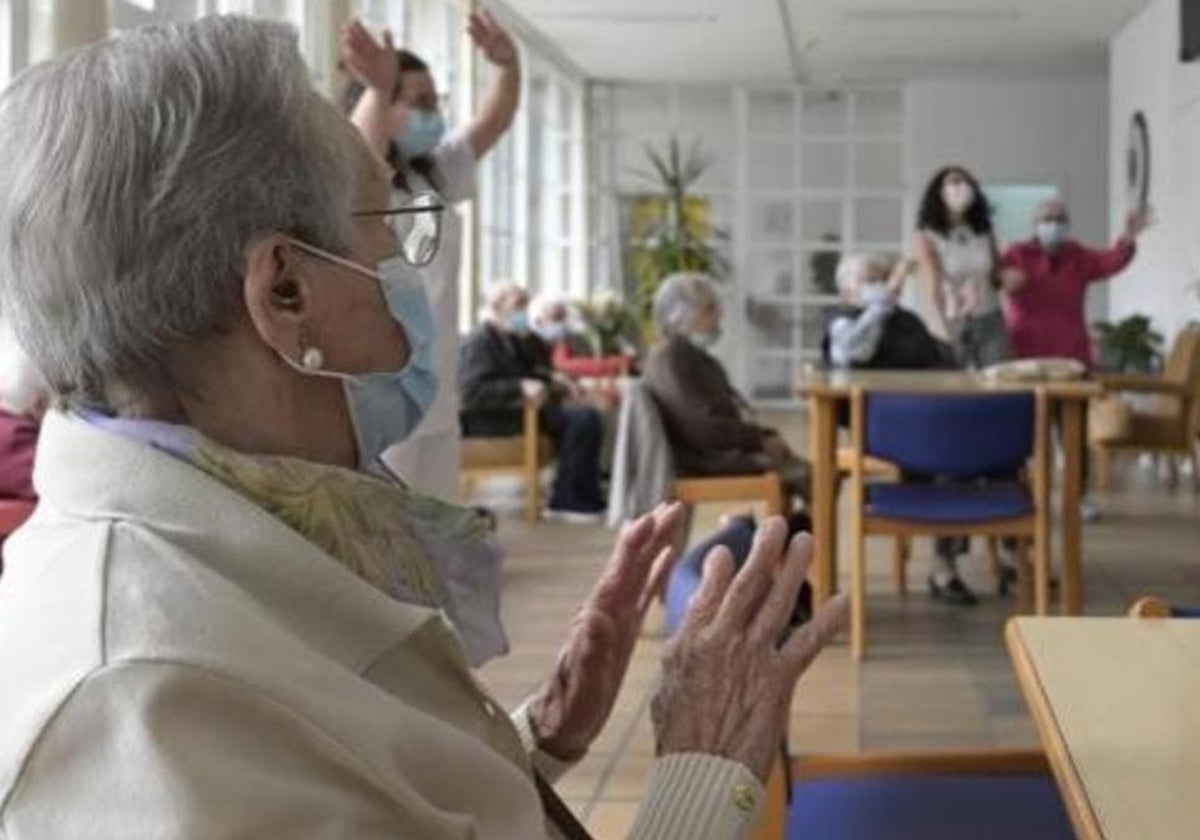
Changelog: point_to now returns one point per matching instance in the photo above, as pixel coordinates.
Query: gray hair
(679, 297)
(133, 175)
(852, 267)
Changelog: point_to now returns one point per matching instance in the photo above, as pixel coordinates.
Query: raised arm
(505, 94)
(1104, 263)
(930, 265)
(373, 65)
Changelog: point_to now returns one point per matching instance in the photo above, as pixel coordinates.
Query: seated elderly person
(707, 421)
(225, 619)
(503, 365)
(871, 329)
(549, 317)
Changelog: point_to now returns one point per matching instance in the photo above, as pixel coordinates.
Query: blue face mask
(875, 293)
(1051, 234)
(518, 321)
(386, 407)
(553, 333)
(422, 133)
(705, 340)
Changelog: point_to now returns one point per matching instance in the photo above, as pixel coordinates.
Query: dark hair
(425, 166)
(934, 215)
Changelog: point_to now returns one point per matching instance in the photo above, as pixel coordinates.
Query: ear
(276, 295)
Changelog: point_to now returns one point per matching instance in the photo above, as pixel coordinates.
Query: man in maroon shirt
(1045, 310)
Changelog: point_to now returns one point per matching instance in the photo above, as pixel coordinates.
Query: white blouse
(967, 264)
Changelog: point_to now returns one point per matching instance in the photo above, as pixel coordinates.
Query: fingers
(656, 580)
(802, 647)
(714, 583)
(776, 611)
(754, 580)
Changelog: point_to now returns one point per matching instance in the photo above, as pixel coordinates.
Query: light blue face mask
(705, 340)
(875, 293)
(422, 133)
(518, 321)
(1051, 234)
(386, 407)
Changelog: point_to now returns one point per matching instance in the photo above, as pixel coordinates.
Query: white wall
(1021, 131)
(1147, 75)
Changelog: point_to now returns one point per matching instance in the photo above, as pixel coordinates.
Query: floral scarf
(415, 548)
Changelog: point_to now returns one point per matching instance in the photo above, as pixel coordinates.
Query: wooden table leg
(1072, 583)
(822, 452)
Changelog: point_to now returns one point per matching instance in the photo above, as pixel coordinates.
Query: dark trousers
(579, 432)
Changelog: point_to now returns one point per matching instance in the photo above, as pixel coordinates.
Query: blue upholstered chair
(987, 796)
(970, 464)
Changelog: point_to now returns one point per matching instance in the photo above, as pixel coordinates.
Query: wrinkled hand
(572, 708)
(534, 392)
(371, 63)
(495, 44)
(730, 672)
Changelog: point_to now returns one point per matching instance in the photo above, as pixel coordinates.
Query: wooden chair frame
(529, 467)
(1035, 526)
(1187, 393)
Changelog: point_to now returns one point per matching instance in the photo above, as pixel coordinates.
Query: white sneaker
(574, 517)
(1089, 511)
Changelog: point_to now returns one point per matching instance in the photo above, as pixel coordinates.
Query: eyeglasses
(417, 224)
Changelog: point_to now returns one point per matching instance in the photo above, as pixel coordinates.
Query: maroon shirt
(1045, 316)
(18, 443)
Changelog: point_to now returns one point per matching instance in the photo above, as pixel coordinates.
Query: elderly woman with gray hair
(225, 619)
(708, 423)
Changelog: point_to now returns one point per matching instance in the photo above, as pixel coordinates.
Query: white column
(58, 26)
(329, 16)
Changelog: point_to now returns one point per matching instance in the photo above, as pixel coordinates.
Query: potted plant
(610, 326)
(1131, 345)
(678, 233)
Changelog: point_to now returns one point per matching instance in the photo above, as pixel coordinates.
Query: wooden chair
(955, 435)
(766, 488)
(1169, 425)
(524, 455)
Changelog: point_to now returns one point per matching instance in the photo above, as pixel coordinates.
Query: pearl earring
(312, 358)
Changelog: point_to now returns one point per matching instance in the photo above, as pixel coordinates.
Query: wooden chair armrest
(1142, 383)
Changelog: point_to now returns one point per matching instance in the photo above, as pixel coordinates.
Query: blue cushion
(928, 807)
(960, 435)
(737, 536)
(949, 502)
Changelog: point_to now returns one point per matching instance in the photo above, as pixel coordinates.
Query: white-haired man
(504, 365)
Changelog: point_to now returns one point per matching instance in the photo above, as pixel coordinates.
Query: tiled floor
(937, 676)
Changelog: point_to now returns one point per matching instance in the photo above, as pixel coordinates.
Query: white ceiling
(725, 40)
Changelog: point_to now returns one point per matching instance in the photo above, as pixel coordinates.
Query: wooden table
(1117, 706)
(827, 389)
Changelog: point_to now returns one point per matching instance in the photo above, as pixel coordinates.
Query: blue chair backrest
(951, 434)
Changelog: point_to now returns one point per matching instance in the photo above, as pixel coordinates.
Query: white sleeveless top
(966, 258)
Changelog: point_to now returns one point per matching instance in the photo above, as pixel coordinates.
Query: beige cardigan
(176, 663)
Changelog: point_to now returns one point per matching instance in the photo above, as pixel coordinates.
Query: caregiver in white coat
(394, 104)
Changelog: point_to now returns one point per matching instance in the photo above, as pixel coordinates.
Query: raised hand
(572, 708)
(730, 672)
(491, 39)
(373, 64)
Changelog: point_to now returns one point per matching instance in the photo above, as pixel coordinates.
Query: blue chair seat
(928, 807)
(949, 502)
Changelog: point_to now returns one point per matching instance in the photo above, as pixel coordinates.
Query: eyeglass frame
(410, 208)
